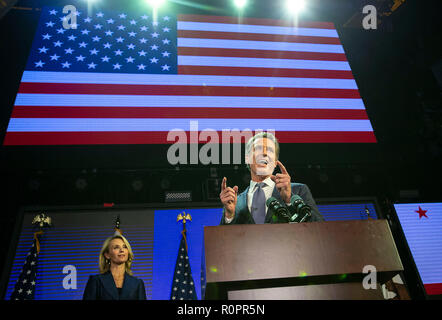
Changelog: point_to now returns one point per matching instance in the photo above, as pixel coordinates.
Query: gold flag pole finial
(117, 226)
(41, 221)
(183, 217)
(367, 212)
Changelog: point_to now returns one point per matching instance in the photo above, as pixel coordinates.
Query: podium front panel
(268, 255)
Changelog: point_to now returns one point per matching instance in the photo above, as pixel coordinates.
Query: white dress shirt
(267, 188)
(268, 191)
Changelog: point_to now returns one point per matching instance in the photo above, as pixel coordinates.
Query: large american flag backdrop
(122, 78)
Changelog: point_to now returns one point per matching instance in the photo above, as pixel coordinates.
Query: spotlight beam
(295, 6)
(240, 4)
(155, 3)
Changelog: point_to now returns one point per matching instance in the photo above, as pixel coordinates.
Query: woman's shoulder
(134, 278)
(131, 276)
(95, 277)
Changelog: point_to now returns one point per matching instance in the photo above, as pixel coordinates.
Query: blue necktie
(259, 204)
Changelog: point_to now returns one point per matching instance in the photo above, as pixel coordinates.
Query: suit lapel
(128, 286)
(109, 285)
(243, 209)
(277, 195)
(243, 200)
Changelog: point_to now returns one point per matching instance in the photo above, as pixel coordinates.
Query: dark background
(397, 68)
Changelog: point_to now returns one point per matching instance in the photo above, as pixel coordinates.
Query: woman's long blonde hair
(104, 263)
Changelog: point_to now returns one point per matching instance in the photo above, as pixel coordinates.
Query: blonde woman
(115, 281)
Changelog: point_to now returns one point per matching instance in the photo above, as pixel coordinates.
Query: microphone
(279, 212)
(299, 211)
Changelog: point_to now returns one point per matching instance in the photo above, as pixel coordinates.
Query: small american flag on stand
(183, 287)
(25, 285)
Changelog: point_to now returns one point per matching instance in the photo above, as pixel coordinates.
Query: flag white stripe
(260, 29)
(90, 100)
(190, 80)
(424, 238)
(91, 124)
(262, 63)
(258, 45)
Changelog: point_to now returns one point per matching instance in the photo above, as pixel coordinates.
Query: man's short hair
(260, 135)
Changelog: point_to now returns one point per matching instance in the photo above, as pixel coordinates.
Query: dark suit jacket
(102, 287)
(243, 215)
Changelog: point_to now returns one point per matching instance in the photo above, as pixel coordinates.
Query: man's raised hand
(228, 197)
(283, 184)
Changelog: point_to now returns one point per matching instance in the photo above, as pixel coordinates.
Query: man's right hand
(228, 198)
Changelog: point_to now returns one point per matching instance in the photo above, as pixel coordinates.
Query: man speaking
(249, 207)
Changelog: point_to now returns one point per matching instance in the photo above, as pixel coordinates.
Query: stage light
(81, 183)
(137, 184)
(178, 196)
(34, 184)
(240, 4)
(357, 179)
(156, 3)
(323, 177)
(165, 183)
(295, 6)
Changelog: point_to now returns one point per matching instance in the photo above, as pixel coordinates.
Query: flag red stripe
(266, 72)
(256, 37)
(269, 54)
(325, 137)
(166, 112)
(255, 21)
(433, 288)
(160, 137)
(123, 89)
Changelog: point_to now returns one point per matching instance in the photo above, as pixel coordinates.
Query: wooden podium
(316, 260)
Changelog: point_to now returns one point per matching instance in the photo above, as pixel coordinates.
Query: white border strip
(262, 63)
(91, 124)
(91, 100)
(259, 45)
(260, 29)
(190, 80)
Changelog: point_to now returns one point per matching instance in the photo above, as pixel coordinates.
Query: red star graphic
(421, 212)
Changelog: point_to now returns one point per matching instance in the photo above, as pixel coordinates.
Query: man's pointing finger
(224, 184)
(281, 166)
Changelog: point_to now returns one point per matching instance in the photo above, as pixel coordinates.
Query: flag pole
(40, 221)
(183, 287)
(117, 226)
(183, 217)
(25, 286)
